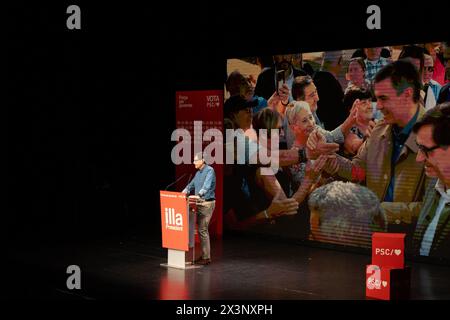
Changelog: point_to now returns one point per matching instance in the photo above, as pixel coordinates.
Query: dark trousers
(205, 211)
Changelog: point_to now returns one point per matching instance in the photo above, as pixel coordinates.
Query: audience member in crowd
(269, 79)
(333, 62)
(274, 84)
(297, 61)
(355, 74)
(444, 94)
(361, 100)
(304, 89)
(238, 84)
(374, 62)
(265, 62)
(435, 49)
(415, 55)
(345, 213)
(243, 206)
(385, 53)
(431, 87)
(329, 82)
(303, 175)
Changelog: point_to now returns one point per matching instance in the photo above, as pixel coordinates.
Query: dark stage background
(90, 112)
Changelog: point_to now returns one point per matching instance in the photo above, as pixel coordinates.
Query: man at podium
(203, 184)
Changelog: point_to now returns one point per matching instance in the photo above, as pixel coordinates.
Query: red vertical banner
(205, 108)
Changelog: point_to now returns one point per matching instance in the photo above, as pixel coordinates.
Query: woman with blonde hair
(304, 175)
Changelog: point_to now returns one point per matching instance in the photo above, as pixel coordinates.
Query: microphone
(182, 176)
(189, 180)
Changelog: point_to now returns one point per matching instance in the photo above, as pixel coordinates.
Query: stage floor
(243, 267)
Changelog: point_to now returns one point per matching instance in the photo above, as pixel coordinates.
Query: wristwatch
(302, 155)
(266, 214)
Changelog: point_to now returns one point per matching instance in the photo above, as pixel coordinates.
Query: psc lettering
(387, 252)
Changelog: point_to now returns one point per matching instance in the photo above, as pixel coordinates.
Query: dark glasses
(426, 151)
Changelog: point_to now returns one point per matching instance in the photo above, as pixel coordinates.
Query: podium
(178, 226)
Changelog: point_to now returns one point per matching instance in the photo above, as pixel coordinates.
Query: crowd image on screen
(368, 129)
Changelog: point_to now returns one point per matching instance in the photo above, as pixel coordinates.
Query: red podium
(178, 227)
(387, 278)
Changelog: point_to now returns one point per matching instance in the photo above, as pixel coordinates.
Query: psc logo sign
(388, 249)
(387, 252)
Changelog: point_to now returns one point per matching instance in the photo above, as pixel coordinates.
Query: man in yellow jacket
(386, 161)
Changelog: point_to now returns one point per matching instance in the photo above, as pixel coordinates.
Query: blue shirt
(399, 139)
(204, 183)
(372, 67)
(262, 104)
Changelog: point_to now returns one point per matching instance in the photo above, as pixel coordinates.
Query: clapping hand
(281, 207)
(317, 145)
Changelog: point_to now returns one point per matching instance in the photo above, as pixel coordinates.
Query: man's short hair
(359, 60)
(299, 85)
(235, 104)
(354, 93)
(198, 156)
(439, 118)
(403, 74)
(234, 82)
(266, 119)
(348, 213)
(414, 52)
(294, 108)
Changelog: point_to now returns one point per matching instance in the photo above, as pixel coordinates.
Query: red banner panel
(205, 107)
(174, 220)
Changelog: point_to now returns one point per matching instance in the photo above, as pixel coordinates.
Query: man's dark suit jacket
(440, 248)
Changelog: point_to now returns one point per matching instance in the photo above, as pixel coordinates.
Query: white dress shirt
(429, 234)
